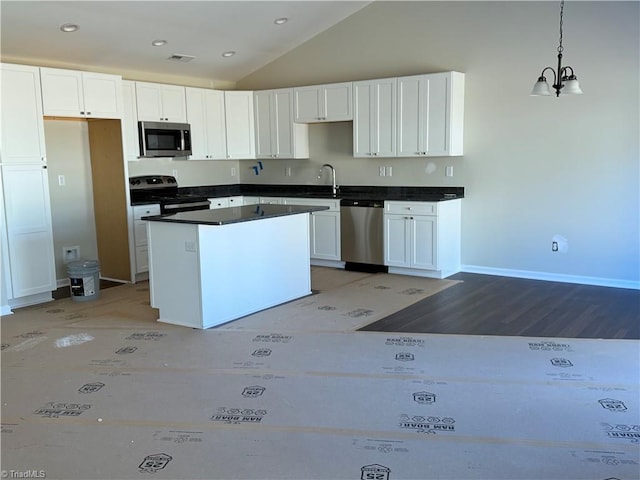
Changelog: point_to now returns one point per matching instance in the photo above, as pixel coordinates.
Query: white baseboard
(327, 263)
(30, 300)
(65, 282)
(553, 277)
(417, 272)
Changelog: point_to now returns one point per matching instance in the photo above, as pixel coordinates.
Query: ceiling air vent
(176, 57)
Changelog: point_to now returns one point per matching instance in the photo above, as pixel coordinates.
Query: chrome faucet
(333, 177)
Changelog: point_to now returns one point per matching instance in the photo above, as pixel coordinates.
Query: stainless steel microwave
(163, 139)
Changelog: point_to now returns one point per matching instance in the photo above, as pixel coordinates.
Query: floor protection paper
(104, 393)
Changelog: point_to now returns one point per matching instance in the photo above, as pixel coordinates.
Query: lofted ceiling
(117, 35)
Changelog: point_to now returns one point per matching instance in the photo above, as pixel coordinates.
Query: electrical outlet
(233, 171)
(382, 171)
(61, 180)
(70, 254)
(287, 171)
(389, 171)
(559, 244)
(448, 171)
(189, 246)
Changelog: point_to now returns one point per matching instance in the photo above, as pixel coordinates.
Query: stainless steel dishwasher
(361, 234)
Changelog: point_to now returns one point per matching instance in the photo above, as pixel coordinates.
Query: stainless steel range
(163, 189)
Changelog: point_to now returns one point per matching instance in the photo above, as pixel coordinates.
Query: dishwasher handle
(361, 203)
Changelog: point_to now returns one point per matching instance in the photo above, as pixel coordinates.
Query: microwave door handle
(142, 140)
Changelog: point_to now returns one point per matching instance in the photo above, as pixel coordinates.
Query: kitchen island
(208, 267)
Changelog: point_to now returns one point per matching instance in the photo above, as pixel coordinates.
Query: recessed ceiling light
(69, 27)
(281, 21)
(159, 43)
(230, 53)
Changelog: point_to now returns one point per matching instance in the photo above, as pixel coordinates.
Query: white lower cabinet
(324, 228)
(422, 238)
(220, 202)
(237, 201)
(140, 234)
(234, 201)
(28, 231)
(271, 200)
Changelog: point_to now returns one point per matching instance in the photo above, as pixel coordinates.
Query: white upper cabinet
(239, 119)
(430, 115)
(22, 132)
(206, 115)
(71, 93)
(131, 146)
(374, 118)
(323, 103)
(161, 103)
(277, 136)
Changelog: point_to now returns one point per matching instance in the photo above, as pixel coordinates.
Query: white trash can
(84, 277)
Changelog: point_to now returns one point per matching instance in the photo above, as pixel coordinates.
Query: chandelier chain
(560, 47)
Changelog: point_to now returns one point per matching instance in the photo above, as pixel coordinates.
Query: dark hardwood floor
(493, 305)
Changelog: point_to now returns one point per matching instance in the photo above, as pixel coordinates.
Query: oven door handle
(175, 206)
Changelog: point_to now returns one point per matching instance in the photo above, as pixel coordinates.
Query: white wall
(533, 167)
(189, 173)
(67, 143)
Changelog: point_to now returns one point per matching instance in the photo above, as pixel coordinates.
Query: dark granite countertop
(225, 216)
(348, 192)
(359, 192)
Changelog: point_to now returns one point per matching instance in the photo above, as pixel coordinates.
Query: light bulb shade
(541, 88)
(572, 87)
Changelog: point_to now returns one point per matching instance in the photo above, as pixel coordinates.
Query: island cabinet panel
(193, 285)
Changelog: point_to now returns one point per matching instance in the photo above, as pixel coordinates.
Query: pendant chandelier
(564, 80)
